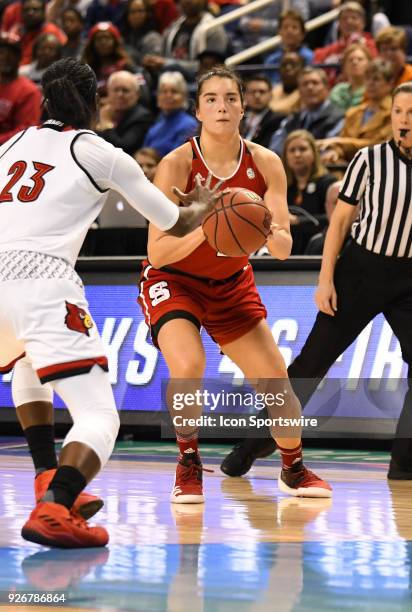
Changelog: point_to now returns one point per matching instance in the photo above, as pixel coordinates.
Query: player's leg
(257, 355)
(34, 407)
(399, 317)
(182, 348)
(65, 349)
(328, 339)
(86, 449)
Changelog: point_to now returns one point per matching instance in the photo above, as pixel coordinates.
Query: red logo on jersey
(77, 319)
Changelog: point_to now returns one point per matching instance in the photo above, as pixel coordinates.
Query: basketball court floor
(248, 549)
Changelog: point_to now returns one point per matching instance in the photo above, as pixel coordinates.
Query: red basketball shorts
(227, 308)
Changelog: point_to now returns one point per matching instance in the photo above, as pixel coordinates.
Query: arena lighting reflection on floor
(247, 549)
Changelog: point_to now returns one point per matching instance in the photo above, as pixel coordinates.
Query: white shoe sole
(303, 491)
(187, 499)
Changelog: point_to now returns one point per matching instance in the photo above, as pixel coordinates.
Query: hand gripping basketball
(239, 224)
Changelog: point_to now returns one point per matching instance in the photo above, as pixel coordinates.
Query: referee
(373, 275)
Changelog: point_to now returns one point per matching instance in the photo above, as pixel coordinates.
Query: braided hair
(69, 90)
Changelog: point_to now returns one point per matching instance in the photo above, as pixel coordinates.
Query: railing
(268, 44)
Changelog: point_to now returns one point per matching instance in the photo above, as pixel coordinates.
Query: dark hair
(295, 16)
(221, 73)
(258, 77)
(319, 71)
(402, 88)
(71, 9)
(91, 57)
(69, 89)
(41, 39)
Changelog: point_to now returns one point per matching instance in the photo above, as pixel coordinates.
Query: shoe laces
(192, 470)
(78, 521)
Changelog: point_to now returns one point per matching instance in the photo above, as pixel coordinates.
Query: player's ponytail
(69, 90)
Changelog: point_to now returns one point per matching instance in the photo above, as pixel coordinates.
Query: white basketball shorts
(48, 320)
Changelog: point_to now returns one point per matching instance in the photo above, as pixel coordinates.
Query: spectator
(73, 26)
(12, 15)
(318, 115)
(46, 50)
(56, 8)
(138, 30)
(308, 188)
(351, 29)
(285, 95)
(184, 40)
(173, 125)
(375, 19)
(292, 32)
(259, 121)
(148, 159)
(122, 120)
(34, 25)
(262, 24)
(392, 45)
(355, 61)
(208, 59)
(105, 53)
(368, 123)
(19, 97)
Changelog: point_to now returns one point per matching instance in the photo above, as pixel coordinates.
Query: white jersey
(53, 185)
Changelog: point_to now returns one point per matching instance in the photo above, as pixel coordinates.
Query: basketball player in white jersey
(53, 181)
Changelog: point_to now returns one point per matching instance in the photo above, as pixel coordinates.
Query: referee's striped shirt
(379, 179)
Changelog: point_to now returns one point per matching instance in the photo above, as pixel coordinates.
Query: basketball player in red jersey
(185, 284)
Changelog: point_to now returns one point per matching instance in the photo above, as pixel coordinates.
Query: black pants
(366, 285)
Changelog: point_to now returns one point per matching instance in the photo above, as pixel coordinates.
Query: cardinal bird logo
(77, 319)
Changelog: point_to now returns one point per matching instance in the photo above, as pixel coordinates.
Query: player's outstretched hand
(326, 298)
(202, 193)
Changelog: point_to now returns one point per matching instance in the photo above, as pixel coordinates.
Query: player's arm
(163, 249)
(279, 241)
(111, 168)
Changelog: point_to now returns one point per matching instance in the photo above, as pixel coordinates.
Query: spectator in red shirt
(105, 53)
(352, 19)
(33, 25)
(19, 97)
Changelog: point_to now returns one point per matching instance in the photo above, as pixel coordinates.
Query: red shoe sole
(33, 532)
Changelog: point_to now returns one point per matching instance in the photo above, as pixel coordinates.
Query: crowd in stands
(314, 99)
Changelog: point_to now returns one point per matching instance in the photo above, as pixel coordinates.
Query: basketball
(239, 224)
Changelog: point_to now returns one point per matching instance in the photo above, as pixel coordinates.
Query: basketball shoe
(188, 485)
(301, 482)
(242, 456)
(53, 525)
(86, 505)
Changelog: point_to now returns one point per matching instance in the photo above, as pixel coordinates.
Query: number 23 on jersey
(20, 172)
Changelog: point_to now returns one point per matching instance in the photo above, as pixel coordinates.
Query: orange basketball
(239, 224)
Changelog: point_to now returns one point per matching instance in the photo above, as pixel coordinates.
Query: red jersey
(204, 261)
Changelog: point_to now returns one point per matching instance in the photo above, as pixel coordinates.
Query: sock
(187, 441)
(290, 456)
(40, 439)
(65, 487)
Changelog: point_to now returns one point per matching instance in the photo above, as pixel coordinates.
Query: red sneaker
(301, 482)
(86, 505)
(187, 488)
(53, 525)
